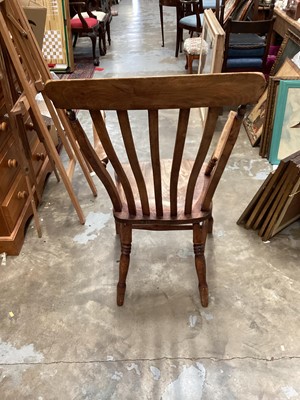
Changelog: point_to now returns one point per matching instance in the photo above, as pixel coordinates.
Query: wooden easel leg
(11, 38)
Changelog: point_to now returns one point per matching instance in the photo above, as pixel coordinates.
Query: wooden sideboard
(15, 206)
(283, 22)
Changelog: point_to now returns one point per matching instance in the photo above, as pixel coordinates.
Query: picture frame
(230, 6)
(288, 71)
(254, 121)
(214, 36)
(289, 47)
(286, 132)
(241, 10)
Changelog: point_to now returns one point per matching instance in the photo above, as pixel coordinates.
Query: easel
(32, 73)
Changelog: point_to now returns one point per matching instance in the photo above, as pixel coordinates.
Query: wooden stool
(192, 47)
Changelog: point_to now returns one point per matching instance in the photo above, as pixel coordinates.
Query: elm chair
(247, 45)
(147, 191)
(82, 26)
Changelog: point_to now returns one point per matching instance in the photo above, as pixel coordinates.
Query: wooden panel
(283, 22)
(11, 241)
(9, 167)
(15, 201)
(4, 231)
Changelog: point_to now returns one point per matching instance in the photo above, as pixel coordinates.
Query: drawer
(38, 156)
(31, 136)
(15, 201)
(9, 167)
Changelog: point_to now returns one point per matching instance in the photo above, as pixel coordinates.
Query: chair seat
(77, 24)
(238, 63)
(100, 16)
(196, 215)
(191, 20)
(193, 46)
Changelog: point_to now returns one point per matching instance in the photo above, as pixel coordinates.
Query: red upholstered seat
(76, 23)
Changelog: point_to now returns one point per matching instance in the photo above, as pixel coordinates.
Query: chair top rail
(159, 92)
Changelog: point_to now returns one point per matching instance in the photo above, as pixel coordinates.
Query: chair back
(192, 7)
(99, 5)
(78, 8)
(158, 183)
(247, 45)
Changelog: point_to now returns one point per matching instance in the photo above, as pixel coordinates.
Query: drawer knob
(12, 163)
(29, 126)
(40, 156)
(3, 126)
(22, 195)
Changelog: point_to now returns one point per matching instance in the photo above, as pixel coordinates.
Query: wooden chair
(190, 15)
(169, 193)
(101, 9)
(166, 3)
(87, 26)
(247, 45)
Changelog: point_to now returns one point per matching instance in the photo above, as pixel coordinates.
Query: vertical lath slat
(177, 157)
(133, 159)
(207, 135)
(224, 148)
(96, 164)
(155, 160)
(113, 158)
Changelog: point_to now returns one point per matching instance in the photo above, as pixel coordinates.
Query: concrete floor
(62, 335)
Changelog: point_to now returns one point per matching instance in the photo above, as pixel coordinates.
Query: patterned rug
(84, 69)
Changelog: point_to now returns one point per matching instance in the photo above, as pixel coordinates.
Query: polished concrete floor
(62, 335)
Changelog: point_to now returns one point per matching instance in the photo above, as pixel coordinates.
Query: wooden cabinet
(15, 206)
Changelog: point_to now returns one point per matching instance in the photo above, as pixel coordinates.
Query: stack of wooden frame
(260, 122)
(277, 202)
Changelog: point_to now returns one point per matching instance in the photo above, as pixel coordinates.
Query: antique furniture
(191, 19)
(15, 205)
(247, 45)
(192, 48)
(155, 192)
(283, 23)
(85, 27)
(101, 9)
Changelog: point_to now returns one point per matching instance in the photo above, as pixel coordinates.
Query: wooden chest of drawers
(15, 206)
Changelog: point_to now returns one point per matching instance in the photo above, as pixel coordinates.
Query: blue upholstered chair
(190, 17)
(247, 45)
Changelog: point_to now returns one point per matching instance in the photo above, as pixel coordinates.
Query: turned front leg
(199, 238)
(126, 238)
